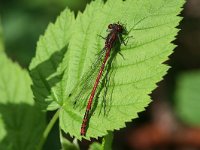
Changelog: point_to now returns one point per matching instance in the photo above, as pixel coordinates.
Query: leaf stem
(47, 130)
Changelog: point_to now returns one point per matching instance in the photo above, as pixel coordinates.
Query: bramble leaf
(44, 67)
(187, 97)
(152, 25)
(21, 121)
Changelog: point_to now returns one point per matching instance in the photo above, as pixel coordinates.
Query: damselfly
(115, 33)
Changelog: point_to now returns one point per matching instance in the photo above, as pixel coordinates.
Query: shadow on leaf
(23, 125)
(45, 76)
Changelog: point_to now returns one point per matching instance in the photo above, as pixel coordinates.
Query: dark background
(158, 127)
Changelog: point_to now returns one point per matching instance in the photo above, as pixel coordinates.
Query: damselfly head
(116, 27)
(110, 26)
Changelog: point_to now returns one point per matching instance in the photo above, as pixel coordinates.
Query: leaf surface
(106, 143)
(1, 38)
(21, 121)
(44, 68)
(131, 80)
(152, 24)
(187, 97)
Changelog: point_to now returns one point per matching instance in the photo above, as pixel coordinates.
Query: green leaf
(50, 52)
(106, 144)
(1, 38)
(152, 25)
(187, 97)
(133, 78)
(21, 121)
(67, 145)
(95, 146)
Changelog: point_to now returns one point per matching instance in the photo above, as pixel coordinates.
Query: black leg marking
(122, 55)
(127, 38)
(101, 36)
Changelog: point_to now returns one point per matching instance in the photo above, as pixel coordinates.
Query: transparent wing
(82, 90)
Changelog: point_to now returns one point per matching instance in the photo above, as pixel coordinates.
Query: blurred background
(172, 121)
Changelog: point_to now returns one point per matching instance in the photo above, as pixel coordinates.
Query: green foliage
(50, 52)
(67, 145)
(187, 97)
(1, 38)
(21, 121)
(67, 49)
(95, 146)
(106, 143)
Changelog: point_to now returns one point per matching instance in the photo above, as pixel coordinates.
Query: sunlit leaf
(152, 25)
(44, 67)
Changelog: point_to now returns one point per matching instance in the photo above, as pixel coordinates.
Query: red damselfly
(115, 33)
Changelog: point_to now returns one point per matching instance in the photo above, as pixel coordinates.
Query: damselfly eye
(110, 26)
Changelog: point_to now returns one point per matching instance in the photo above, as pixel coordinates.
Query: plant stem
(47, 130)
